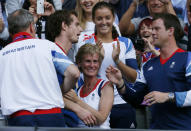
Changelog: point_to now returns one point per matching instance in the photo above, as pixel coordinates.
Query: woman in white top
(94, 95)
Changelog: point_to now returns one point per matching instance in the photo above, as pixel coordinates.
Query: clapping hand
(116, 52)
(99, 44)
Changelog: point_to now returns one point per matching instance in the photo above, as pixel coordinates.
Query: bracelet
(117, 62)
(121, 86)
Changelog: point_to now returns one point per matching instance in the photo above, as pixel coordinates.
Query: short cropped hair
(88, 49)
(19, 21)
(169, 21)
(54, 23)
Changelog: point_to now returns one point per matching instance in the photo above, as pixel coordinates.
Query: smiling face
(156, 6)
(160, 33)
(87, 5)
(145, 31)
(90, 65)
(103, 20)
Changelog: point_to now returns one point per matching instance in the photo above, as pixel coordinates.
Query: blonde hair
(81, 14)
(88, 49)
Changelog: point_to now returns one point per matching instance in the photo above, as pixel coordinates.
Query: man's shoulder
(151, 62)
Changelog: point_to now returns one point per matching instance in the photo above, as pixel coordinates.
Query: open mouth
(146, 36)
(88, 5)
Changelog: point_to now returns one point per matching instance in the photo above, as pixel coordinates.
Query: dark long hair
(100, 5)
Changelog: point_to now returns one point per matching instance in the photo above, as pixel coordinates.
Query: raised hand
(149, 47)
(99, 44)
(48, 9)
(116, 52)
(32, 10)
(114, 75)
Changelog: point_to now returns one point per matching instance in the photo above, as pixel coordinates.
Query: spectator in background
(145, 49)
(12, 5)
(34, 96)
(122, 114)
(121, 6)
(85, 16)
(128, 26)
(40, 19)
(164, 81)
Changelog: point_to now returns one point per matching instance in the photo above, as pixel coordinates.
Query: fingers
(90, 121)
(116, 52)
(47, 5)
(94, 119)
(111, 69)
(149, 98)
(87, 122)
(118, 46)
(49, 9)
(99, 44)
(164, 1)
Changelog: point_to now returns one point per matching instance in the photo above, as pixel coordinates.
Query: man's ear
(32, 29)
(64, 26)
(171, 31)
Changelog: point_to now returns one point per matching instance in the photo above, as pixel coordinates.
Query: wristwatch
(171, 97)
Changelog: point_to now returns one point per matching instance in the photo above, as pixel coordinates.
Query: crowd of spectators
(114, 44)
